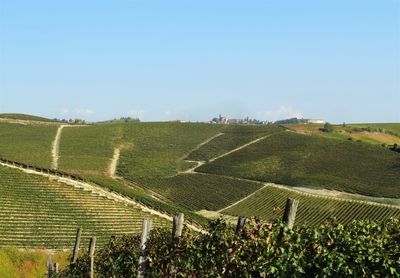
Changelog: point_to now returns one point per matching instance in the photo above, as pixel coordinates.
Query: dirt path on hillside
(206, 141)
(243, 146)
(241, 200)
(200, 163)
(55, 150)
(101, 192)
(112, 168)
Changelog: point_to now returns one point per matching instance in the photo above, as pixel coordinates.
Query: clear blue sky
(191, 60)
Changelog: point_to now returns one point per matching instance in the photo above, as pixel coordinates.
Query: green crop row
(269, 204)
(30, 144)
(36, 211)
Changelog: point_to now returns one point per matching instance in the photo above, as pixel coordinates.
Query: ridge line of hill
(99, 191)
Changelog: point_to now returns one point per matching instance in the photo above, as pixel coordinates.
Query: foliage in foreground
(360, 249)
(27, 263)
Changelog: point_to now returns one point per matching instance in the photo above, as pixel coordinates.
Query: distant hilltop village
(245, 121)
(249, 121)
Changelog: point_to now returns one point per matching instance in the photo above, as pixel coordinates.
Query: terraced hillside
(37, 211)
(269, 203)
(300, 160)
(27, 143)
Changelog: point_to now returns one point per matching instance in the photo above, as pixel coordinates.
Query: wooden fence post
(49, 266)
(290, 212)
(142, 267)
(91, 254)
(76, 246)
(56, 267)
(178, 225)
(240, 224)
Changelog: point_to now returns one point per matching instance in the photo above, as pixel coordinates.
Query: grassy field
(30, 144)
(233, 136)
(269, 204)
(16, 263)
(300, 160)
(369, 133)
(38, 212)
(385, 127)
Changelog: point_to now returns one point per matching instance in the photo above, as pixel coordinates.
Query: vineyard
(158, 148)
(199, 191)
(150, 171)
(30, 144)
(269, 202)
(83, 151)
(37, 211)
(300, 160)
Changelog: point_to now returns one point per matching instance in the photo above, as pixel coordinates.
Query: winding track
(112, 168)
(55, 150)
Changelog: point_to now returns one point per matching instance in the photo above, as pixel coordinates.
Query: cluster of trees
(71, 121)
(327, 128)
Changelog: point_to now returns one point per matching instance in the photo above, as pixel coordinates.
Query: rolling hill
(300, 160)
(189, 167)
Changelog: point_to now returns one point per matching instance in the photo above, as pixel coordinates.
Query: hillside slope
(37, 211)
(300, 160)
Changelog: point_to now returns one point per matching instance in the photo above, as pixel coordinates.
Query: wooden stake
(146, 229)
(240, 224)
(49, 266)
(178, 225)
(91, 254)
(290, 212)
(56, 267)
(77, 243)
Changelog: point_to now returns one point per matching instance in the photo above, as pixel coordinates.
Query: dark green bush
(361, 249)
